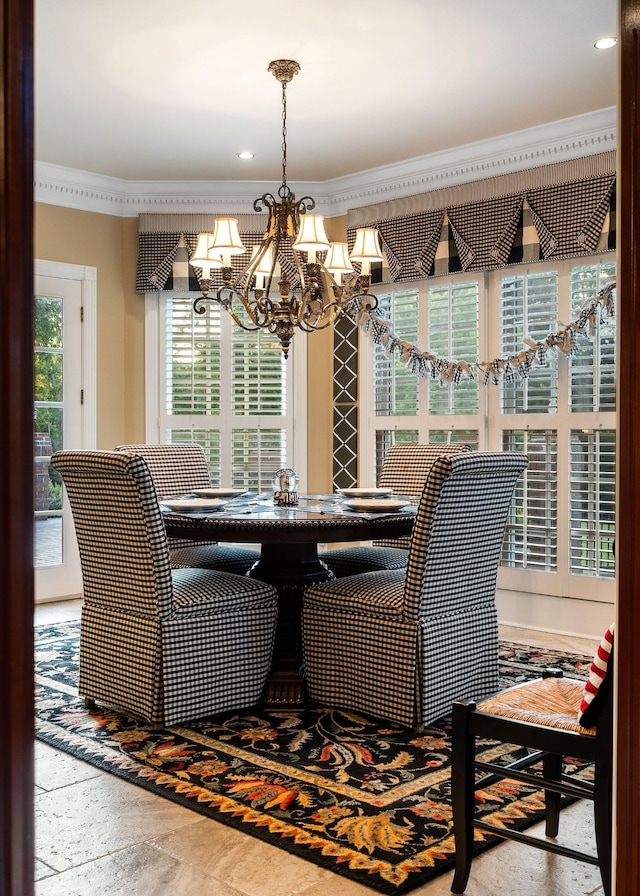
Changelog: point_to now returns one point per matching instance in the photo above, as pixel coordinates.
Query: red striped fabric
(597, 673)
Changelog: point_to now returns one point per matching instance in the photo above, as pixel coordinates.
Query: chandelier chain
(284, 139)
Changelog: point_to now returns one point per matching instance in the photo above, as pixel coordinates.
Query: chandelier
(323, 289)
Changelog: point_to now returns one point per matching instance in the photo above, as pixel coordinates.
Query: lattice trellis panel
(345, 404)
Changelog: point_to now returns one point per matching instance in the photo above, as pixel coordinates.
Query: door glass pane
(48, 428)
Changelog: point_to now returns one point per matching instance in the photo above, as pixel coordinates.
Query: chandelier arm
(265, 202)
(306, 204)
(301, 268)
(199, 303)
(244, 326)
(335, 310)
(261, 309)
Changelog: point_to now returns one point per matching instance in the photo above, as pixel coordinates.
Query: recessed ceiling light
(245, 155)
(605, 43)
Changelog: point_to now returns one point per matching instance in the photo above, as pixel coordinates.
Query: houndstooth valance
(492, 223)
(558, 211)
(167, 242)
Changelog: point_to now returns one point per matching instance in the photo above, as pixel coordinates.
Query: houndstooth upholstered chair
(403, 644)
(405, 469)
(167, 645)
(176, 470)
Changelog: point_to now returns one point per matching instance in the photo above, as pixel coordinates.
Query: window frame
(492, 422)
(294, 421)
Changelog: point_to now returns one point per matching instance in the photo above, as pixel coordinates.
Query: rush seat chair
(176, 470)
(405, 469)
(167, 645)
(547, 719)
(403, 644)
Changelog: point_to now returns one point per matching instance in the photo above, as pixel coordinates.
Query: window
(403, 406)
(561, 413)
(229, 390)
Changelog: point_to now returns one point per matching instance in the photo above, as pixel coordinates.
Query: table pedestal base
(290, 568)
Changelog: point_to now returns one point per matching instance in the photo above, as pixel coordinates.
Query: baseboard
(548, 613)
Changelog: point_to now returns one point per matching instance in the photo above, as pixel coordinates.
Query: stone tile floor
(99, 836)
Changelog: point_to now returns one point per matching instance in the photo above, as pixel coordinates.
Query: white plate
(376, 505)
(219, 492)
(193, 505)
(365, 492)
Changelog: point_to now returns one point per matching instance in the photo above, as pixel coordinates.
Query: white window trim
(491, 422)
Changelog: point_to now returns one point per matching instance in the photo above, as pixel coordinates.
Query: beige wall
(110, 244)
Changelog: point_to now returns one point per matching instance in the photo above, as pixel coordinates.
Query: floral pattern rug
(367, 800)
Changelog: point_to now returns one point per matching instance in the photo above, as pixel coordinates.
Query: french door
(64, 415)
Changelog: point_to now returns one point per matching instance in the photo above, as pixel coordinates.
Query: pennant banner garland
(425, 364)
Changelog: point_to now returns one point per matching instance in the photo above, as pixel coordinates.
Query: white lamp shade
(337, 260)
(367, 246)
(266, 262)
(226, 238)
(204, 257)
(311, 236)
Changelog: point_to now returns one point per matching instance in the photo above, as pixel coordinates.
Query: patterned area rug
(366, 800)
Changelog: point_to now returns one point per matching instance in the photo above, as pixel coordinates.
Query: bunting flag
(497, 370)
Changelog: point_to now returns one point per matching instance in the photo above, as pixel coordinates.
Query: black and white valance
(166, 243)
(560, 211)
(557, 211)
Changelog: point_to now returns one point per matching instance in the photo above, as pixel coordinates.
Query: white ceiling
(157, 90)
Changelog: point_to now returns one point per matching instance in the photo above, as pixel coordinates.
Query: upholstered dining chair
(403, 644)
(405, 469)
(165, 645)
(176, 470)
(524, 734)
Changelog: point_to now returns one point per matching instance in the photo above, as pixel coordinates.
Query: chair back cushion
(598, 682)
(175, 469)
(405, 470)
(458, 532)
(121, 536)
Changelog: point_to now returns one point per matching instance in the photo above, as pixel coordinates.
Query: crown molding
(571, 138)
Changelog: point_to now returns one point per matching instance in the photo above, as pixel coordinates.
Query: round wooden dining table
(288, 537)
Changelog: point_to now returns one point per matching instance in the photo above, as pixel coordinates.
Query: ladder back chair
(548, 719)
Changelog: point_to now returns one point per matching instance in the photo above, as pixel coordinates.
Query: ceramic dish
(365, 492)
(219, 492)
(376, 505)
(193, 505)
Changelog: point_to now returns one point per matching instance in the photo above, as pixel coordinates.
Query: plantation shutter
(453, 334)
(531, 534)
(192, 360)
(396, 387)
(592, 369)
(592, 502)
(528, 302)
(226, 389)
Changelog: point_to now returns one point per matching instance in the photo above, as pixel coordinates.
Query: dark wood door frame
(628, 465)
(16, 445)
(16, 450)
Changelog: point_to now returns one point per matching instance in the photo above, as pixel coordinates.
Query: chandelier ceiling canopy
(262, 296)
